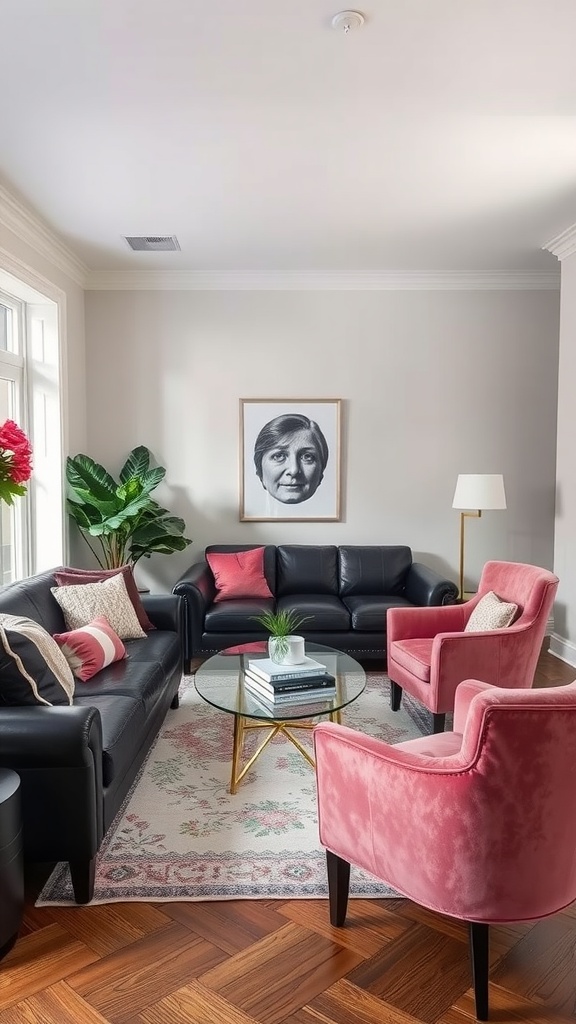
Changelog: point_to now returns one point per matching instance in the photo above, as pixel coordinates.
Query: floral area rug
(181, 836)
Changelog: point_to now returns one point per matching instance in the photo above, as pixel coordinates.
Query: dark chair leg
(478, 935)
(395, 696)
(175, 701)
(338, 885)
(438, 723)
(83, 873)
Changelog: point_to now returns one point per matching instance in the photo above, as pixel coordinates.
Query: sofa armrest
(164, 611)
(425, 586)
(197, 588)
(37, 737)
(57, 752)
(419, 623)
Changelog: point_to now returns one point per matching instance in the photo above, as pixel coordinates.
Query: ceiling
(440, 136)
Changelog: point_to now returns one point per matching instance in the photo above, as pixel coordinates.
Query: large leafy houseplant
(120, 516)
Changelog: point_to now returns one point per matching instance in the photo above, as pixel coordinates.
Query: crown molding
(498, 280)
(563, 245)
(31, 229)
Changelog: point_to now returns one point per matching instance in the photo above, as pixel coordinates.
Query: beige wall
(564, 638)
(434, 383)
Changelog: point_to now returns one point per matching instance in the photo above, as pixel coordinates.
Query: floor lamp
(476, 493)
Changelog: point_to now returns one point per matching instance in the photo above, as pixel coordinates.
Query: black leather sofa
(76, 764)
(344, 591)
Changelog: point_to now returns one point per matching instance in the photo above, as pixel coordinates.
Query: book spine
(280, 676)
(280, 702)
(294, 685)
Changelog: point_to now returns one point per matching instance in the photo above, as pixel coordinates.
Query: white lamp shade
(479, 491)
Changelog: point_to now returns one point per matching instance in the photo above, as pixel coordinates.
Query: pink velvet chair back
(533, 589)
(506, 829)
(484, 833)
(519, 809)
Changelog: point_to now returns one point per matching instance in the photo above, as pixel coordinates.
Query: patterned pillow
(86, 601)
(91, 648)
(33, 669)
(491, 613)
(73, 577)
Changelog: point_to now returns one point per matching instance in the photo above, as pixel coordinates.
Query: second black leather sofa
(343, 591)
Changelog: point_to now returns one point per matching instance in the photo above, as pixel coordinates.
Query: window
(31, 531)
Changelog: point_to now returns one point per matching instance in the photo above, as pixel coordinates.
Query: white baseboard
(563, 649)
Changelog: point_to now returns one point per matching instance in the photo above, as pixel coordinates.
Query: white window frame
(39, 410)
(13, 369)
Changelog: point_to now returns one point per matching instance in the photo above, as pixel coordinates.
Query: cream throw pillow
(85, 602)
(491, 613)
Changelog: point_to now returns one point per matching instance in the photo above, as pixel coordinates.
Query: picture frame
(290, 455)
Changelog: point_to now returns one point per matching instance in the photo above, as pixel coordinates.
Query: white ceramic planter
(286, 650)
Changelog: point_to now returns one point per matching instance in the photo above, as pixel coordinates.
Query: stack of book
(277, 685)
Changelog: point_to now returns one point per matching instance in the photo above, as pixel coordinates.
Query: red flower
(15, 461)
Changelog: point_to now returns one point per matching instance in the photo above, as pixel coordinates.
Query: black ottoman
(11, 862)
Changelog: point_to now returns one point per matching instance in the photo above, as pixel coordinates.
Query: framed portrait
(290, 459)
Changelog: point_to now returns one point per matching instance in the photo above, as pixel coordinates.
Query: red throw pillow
(238, 574)
(91, 648)
(70, 577)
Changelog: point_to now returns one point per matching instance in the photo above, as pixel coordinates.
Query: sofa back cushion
(306, 569)
(32, 598)
(373, 569)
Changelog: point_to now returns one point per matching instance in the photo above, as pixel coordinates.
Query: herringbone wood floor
(278, 961)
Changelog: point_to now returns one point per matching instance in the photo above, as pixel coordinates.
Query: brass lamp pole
(479, 492)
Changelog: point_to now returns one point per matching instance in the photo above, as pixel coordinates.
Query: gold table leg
(243, 725)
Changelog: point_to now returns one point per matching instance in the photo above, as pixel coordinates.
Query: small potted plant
(284, 647)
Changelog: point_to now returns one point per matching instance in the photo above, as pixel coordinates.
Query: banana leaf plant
(119, 520)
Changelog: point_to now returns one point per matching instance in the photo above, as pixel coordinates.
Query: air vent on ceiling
(153, 243)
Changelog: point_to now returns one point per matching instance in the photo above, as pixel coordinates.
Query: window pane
(5, 328)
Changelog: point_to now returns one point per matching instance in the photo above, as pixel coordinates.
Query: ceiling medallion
(347, 20)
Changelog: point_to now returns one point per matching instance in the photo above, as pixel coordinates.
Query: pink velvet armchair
(429, 652)
(478, 824)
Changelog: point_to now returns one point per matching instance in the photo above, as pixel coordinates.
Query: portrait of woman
(290, 459)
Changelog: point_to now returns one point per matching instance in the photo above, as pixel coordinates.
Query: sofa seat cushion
(322, 612)
(161, 647)
(237, 615)
(128, 678)
(368, 611)
(123, 723)
(413, 655)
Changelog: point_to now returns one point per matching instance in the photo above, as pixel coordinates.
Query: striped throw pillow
(33, 669)
(91, 648)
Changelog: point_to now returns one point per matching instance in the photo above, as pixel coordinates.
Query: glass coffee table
(220, 682)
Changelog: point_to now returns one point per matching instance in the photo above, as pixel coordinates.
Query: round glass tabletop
(220, 682)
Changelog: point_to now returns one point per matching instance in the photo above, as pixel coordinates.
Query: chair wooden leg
(83, 874)
(478, 936)
(338, 886)
(438, 723)
(395, 696)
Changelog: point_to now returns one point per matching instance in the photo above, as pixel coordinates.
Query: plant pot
(286, 650)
